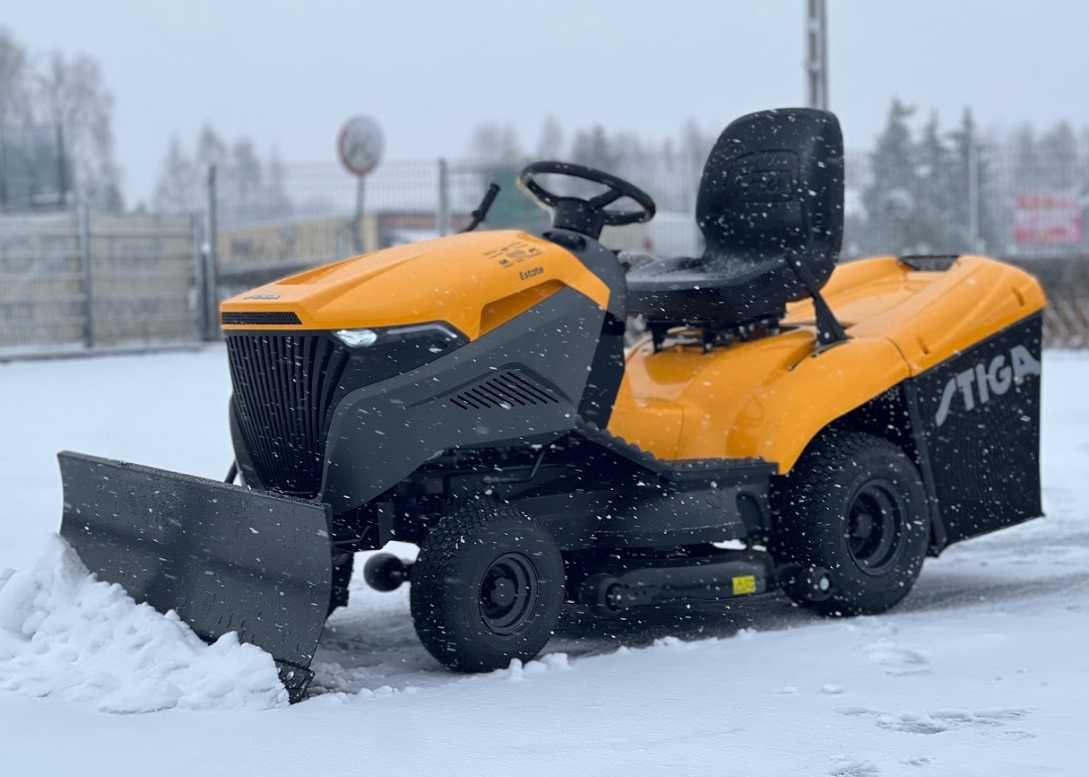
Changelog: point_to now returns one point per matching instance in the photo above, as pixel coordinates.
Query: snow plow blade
(223, 557)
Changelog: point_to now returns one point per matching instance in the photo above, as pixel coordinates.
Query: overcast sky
(287, 73)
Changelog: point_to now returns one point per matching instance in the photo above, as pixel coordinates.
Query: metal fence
(72, 280)
(82, 280)
(1033, 215)
(407, 201)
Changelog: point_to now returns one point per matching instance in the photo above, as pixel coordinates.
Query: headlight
(357, 338)
(435, 335)
(380, 353)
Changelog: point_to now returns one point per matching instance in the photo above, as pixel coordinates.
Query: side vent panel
(508, 390)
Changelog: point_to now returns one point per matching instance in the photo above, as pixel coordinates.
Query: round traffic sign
(360, 145)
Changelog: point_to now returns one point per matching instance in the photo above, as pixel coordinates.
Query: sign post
(360, 145)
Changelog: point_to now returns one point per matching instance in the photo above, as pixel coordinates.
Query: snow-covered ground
(983, 670)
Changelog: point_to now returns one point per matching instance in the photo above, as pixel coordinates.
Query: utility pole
(62, 166)
(973, 195)
(816, 54)
(210, 294)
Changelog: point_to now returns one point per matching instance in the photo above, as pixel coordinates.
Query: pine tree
(498, 158)
(592, 148)
(1058, 157)
(245, 177)
(933, 228)
(550, 144)
(889, 200)
(211, 150)
(279, 203)
(177, 188)
(1026, 160)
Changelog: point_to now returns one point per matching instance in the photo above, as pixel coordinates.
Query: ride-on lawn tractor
(472, 394)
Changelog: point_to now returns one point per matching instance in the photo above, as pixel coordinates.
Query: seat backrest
(772, 192)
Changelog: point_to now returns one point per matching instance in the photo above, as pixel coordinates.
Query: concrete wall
(122, 280)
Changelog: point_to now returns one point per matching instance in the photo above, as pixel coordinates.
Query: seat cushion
(703, 292)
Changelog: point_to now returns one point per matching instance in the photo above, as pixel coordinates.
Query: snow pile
(65, 635)
(517, 671)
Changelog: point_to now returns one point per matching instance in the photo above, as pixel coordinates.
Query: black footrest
(724, 471)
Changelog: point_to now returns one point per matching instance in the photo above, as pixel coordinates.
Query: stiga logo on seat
(977, 385)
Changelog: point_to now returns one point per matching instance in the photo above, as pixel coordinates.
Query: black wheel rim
(509, 593)
(875, 527)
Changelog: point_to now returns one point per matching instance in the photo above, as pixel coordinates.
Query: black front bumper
(287, 385)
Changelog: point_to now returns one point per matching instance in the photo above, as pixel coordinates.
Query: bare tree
(14, 93)
(78, 105)
(178, 187)
(250, 188)
(278, 202)
(14, 106)
(1058, 151)
(550, 144)
(211, 149)
(592, 148)
(244, 176)
(495, 143)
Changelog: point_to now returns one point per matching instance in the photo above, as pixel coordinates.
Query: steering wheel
(587, 216)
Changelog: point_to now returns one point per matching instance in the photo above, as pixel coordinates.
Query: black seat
(771, 193)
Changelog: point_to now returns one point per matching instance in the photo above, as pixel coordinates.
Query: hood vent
(260, 318)
(507, 389)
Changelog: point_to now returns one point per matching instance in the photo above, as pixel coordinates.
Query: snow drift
(66, 635)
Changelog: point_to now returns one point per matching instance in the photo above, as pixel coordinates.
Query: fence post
(200, 305)
(444, 198)
(211, 261)
(83, 241)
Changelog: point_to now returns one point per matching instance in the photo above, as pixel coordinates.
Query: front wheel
(487, 587)
(852, 524)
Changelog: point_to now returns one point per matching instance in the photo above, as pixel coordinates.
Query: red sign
(1047, 219)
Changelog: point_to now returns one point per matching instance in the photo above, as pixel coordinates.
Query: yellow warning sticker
(744, 584)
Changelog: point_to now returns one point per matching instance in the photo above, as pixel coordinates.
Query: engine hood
(473, 281)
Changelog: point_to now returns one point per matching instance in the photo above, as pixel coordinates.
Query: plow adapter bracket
(223, 557)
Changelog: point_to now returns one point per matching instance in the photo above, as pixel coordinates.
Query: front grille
(285, 386)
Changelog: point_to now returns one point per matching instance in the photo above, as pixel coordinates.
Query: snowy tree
(75, 98)
(1057, 150)
(211, 149)
(498, 156)
(14, 73)
(56, 133)
(971, 158)
(1026, 159)
(889, 200)
(178, 187)
(277, 202)
(14, 108)
(550, 144)
(495, 143)
(249, 187)
(695, 148)
(592, 148)
(244, 176)
(934, 227)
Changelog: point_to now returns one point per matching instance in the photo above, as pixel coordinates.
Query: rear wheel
(487, 587)
(852, 525)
